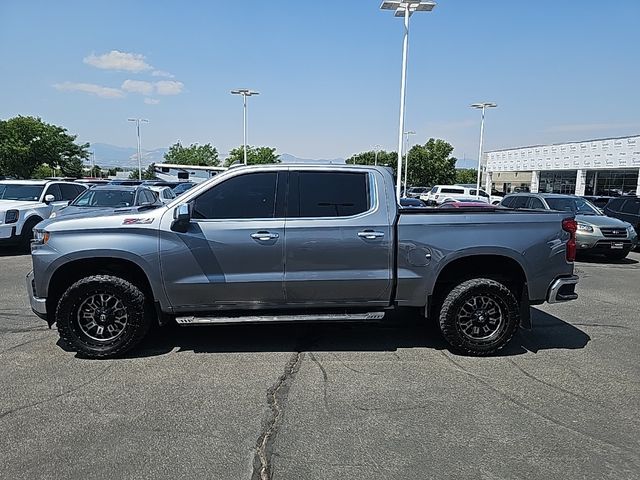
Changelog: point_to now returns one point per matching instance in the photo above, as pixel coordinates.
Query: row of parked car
(25, 203)
(609, 229)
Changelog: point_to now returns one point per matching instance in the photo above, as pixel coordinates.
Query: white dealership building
(608, 166)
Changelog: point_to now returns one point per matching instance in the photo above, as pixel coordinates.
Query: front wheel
(102, 316)
(479, 316)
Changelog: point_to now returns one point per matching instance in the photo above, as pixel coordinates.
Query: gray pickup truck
(298, 243)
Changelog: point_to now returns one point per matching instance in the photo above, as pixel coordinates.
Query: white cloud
(162, 73)
(169, 87)
(138, 86)
(90, 88)
(116, 60)
(151, 101)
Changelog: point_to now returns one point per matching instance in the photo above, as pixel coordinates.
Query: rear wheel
(102, 316)
(479, 316)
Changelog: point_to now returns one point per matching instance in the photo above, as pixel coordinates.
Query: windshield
(105, 198)
(22, 192)
(577, 206)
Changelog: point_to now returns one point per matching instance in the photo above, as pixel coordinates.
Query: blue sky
(328, 72)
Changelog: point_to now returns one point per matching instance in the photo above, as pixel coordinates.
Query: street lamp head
(410, 133)
(411, 5)
(244, 92)
(484, 105)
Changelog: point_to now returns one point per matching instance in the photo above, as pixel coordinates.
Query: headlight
(11, 216)
(583, 227)
(40, 236)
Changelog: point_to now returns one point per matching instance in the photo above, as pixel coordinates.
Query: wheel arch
(70, 272)
(496, 266)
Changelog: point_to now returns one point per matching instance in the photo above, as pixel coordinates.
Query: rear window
(330, 194)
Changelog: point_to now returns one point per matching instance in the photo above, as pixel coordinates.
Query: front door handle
(370, 234)
(264, 236)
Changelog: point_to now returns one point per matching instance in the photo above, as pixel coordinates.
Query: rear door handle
(370, 234)
(264, 236)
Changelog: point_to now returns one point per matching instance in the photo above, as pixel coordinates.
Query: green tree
(202, 155)
(112, 172)
(389, 159)
(42, 171)
(255, 155)
(432, 164)
(28, 142)
(466, 175)
(148, 174)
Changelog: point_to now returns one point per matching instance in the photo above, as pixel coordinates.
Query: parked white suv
(24, 203)
(440, 193)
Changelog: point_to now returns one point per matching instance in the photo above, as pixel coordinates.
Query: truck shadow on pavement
(549, 332)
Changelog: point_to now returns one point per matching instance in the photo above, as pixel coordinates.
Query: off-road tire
(134, 303)
(452, 305)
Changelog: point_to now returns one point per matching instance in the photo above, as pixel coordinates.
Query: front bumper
(563, 289)
(8, 235)
(596, 241)
(38, 305)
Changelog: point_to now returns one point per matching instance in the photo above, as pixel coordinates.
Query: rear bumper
(563, 289)
(38, 305)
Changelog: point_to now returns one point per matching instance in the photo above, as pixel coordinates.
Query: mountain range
(107, 155)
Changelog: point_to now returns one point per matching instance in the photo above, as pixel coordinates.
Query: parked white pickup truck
(25, 203)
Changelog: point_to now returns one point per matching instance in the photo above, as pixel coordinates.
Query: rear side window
(631, 206)
(453, 190)
(252, 195)
(328, 194)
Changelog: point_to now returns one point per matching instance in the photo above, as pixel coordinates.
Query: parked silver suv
(596, 233)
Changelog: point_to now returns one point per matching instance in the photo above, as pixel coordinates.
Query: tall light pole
(404, 8)
(406, 158)
(483, 106)
(376, 149)
(137, 122)
(245, 92)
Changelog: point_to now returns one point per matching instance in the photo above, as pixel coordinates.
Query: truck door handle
(370, 234)
(264, 236)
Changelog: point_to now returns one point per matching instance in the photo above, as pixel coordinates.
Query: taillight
(570, 225)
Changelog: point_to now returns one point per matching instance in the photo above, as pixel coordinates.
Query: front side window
(330, 194)
(252, 195)
(536, 204)
(454, 190)
(54, 190)
(69, 192)
(520, 202)
(631, 206)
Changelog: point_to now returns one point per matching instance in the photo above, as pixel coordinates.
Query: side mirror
(181, 218)
(49, 198)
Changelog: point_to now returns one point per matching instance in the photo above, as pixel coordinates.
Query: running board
(192, 320)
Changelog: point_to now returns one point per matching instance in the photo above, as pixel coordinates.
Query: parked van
(439, 193)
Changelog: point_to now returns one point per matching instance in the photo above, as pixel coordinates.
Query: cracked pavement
(325, 401)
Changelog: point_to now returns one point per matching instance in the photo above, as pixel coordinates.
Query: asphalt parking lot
(330, 401)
